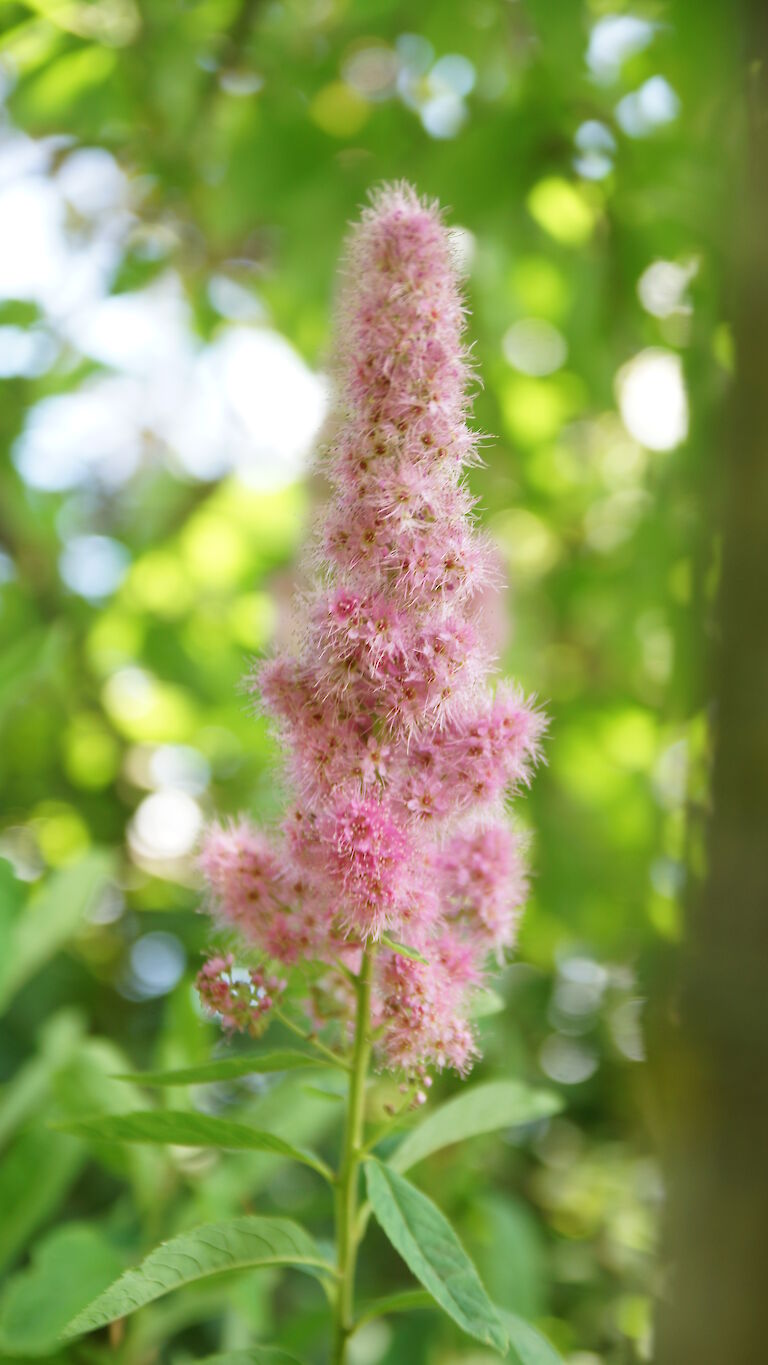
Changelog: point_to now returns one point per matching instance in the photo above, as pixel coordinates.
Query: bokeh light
(652, 399)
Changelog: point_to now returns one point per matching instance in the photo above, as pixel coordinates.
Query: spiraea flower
(245, 876)
(401, 754)
(368, 858)
(483, 883)
(240, 997)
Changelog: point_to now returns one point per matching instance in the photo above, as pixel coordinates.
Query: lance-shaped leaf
(35, 1175)
(404, 1302)
(51, 918)
(229, 1068)
(240, 1244)
(403, 950)
(527, 1345)
(480, 1109)
(181, 1129)
(432, 1251)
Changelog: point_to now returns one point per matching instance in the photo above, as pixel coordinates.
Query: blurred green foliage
(199, 162)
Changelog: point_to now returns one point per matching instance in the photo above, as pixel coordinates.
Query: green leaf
(72, 1266)
(432, 1251)
(404, 1302)
(35, 1174)
(479, 1109)
(52, 916)
(168, 1127)
(484, 1002)
(403, 950)
(240, 1244)
(229, 1068)
(28, 1090)
(506, 1240)
(255, 1355)
(528, 1345)
(11, 893)
(85, 1086)
(323, 1093)
(65, 84)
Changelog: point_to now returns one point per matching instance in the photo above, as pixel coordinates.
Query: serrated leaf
(255, 1355)
(72, 1266)
(403, 950)
(229, 1068)
(240, 1244)
(479, 1109)
(181, 1129)
(528, 1346)
(432, 1251)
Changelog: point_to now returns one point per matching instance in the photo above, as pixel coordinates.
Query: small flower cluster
(239, 997)
(400, 754)
(367, 858)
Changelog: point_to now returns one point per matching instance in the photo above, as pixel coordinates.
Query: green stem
(312, 1042)
(347, 1234)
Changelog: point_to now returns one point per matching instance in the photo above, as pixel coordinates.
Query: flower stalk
(347, 1231)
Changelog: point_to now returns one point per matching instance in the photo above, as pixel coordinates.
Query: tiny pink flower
(483, 883)
(368, 857)
(244, 873)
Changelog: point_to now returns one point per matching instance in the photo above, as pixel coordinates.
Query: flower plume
(400, 753)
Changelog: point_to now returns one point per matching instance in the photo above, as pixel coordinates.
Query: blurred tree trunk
(715, 1304)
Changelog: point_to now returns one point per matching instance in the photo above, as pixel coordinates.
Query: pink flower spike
(400, 754)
